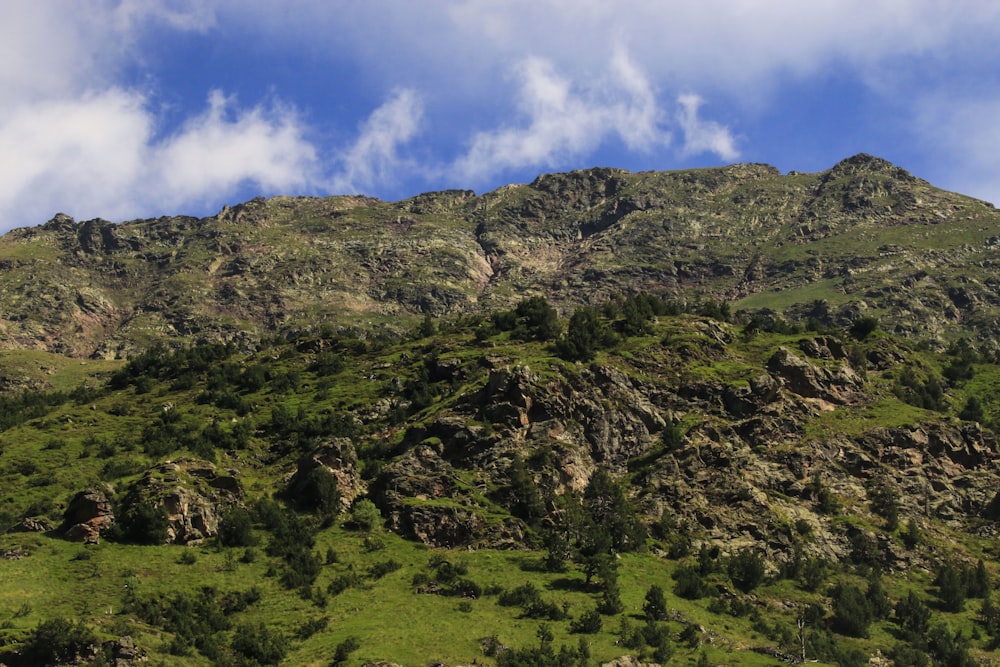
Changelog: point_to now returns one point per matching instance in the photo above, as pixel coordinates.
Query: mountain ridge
(740, 233)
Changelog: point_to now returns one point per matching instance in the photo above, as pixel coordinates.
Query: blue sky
(141, 108)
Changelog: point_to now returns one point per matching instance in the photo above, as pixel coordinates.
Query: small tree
(236, 529)
(655, 607)
(589, 623)
(951, 588)
(851, 611)
(746, 570)
(365, 514)
(913, 616)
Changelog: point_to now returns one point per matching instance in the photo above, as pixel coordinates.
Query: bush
(852, 612)
(57, 641)
(365, 514)
(236, 529)
(746, 570)
(589, 623)
(345, 649)
(655, 606)
(258, 643)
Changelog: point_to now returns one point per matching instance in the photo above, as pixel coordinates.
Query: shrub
(365, 515)
(345, 649)
(589, 623)
(236, 529)
(259, 643)
(852, 613)
(655, 606)
(746, 570)
(56, 641)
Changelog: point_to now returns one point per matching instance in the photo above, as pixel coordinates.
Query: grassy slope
(393, 622)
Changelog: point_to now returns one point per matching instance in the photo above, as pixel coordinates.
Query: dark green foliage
(557, 550)
(951, 588)
(977, 580)
(672, 437)
(259, 643)
(884, 498)
(57, 641)
(746, 570)
(196, 619)
(826, 501)
(236, 529)
(526, 500)
(878, 602)
(989, 617)
(690, 584)
(316, 492)
(382, 568)
(610, 512)
(911, 534)
(865, 550)
(345, 649)
(924, 393)
(19, 408)
(141, 521)
(949, 648)
(537, 320)
(813, 573)
(588, 623)
(972, 411)
(904, 655)
(852, 614)
(585, 335)
(340, 584)
(311, 627)
(655, 606)
(913, 617)
(862, 327)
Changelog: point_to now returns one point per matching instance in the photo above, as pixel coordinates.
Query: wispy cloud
(226, 146)
(374, 160)
(73, 139)
(563, 120)
(703, 136)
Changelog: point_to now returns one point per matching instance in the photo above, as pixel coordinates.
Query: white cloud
(224, 147)
(703, 136)
(564, 120)
(70, 154)
(73, 139)
(964, 135)
(374, 160)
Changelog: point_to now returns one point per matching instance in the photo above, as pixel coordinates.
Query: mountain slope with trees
(582, 457)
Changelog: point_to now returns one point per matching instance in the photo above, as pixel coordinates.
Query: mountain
(863, 237)
(719, 416)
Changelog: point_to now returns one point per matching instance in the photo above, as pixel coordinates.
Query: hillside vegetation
(512, 488)
(709, 417)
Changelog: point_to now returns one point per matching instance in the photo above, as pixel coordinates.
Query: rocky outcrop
(192, 493)
(32, 525)
(88, 516)
(336, 458)
(801, 377)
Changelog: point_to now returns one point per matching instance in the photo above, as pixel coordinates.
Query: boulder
(88, 516)
(336, 458)
(193, 495)
(32, 525)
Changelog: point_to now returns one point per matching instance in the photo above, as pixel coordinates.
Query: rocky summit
(716, 417)
(864, 237)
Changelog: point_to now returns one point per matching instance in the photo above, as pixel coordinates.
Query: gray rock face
(338, 459)
(193, 494)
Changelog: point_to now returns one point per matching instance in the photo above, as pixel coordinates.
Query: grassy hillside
(508, 488)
